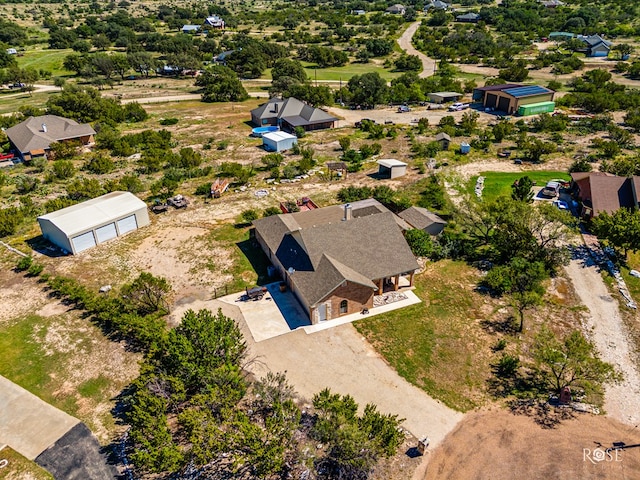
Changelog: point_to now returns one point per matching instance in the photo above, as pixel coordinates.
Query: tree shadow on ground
(542, 412)
(507, 325)
(257, 258)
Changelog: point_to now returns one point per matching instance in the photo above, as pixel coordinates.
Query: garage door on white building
(106, 233)
(127, 224)
(84, 241)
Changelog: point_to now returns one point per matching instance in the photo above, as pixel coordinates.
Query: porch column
(411, 278)
(380, 286)
(396, 283)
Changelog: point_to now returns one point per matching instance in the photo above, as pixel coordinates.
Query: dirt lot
(496, 444)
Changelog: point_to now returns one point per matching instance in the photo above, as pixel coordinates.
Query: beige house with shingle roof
(335, 259)
(34, 136)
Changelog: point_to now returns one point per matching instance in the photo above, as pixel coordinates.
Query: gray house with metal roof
(335, 259)
(34, 136)
(289, 113)
(87, 224)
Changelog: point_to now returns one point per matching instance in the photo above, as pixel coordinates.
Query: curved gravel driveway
(428, 64)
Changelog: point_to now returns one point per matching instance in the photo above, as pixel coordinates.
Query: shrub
(169, 121)
(299, 132)
(35, 269)
(63, 169)
(203, 189)
(249, 215)
(99, 164)
(24, 264)
(223, 144)
(268, 212)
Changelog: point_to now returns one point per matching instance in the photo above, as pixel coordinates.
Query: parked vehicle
(159, 207)
(458, 106)
(551, 189)
(255, 293)
(403, 109)
(178, 202)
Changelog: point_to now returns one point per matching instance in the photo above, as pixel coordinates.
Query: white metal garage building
(79, 227)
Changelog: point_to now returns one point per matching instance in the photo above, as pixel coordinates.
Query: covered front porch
(394, 283)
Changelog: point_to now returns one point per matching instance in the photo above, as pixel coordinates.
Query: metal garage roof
(278, 136)
(527, 91)
(95, 212)
(391, 162)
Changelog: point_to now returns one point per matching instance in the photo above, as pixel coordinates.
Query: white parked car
(456, 107)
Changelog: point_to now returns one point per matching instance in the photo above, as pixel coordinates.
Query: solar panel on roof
(527, 91)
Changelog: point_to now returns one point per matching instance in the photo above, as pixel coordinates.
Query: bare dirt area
(497, 444)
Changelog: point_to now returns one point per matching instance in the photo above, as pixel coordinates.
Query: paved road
(428, 64)
(28, 424)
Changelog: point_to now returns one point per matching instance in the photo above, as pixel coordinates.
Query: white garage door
(106, 233)
(84, 241)
(127, 224)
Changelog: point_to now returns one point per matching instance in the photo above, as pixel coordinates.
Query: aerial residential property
(289, 113)
(33, 137)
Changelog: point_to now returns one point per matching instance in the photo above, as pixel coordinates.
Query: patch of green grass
(436, 344)
(633, 263)
(10, 103)
(346, 72)
(499, 183)
(20, 467)
(50, 60)
(94, 388)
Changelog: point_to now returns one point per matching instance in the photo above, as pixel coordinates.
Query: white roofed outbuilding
(87, 224)
(391, 168)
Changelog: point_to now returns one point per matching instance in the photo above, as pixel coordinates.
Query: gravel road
(428, 64)
(607, 330)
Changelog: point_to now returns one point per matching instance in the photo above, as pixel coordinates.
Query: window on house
(343, 306)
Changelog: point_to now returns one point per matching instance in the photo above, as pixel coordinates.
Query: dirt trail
(607, 330)
(428, 64)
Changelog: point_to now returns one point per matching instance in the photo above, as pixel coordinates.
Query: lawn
(438, 344)
(19, 467)
(10, 102)
(499, 183)
(50, 60)
(345, 73)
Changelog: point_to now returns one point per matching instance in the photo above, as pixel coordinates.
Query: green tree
(571, 362)
(420, 242)
(249, 215)
(221, 84)
(63, 169)
(345, 143)
(285, 67)
(522, 190)
(620, 229)
(147, 294)
(368, 89)
(272, 160)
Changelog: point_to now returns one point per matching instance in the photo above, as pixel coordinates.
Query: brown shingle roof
(420, 218)
(605, 192)
(29, 135)
(324, 255)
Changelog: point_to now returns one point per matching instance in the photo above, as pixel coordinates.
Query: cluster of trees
(596, 93)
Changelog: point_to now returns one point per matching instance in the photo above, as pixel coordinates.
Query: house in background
(423, 219)
(12, 51)
(335, 259)
(470, 17)
(215, 22)
(396, 9)
(290, 113)
(34, 136)
(551, 3)
(437, 5)
(603, 192)
(192, 29)
(596, 46)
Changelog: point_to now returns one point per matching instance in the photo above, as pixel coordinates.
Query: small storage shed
(278, 141)
(423, 219)
(82, 226)
(444, 140)
(443, 97)
(391, 168)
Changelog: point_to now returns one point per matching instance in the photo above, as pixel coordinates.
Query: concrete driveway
(278, 313)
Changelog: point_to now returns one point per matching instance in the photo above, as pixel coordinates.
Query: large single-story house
(423, 219)
(335, 259)
(470, 17)
(34, 136)
(83, 226)
(437, 5)
(289, 113)
(513, 98)
(603, 192)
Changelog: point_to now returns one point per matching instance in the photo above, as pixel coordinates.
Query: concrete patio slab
(29, 425)
(278, 313)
